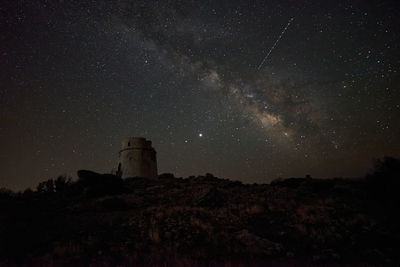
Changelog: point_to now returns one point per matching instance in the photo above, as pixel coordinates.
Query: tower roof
(136, 143)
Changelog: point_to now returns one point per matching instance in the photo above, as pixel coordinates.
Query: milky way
(259, 96)
(79, 76)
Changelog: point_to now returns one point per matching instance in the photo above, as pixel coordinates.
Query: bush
(114, 204)
(384, 181)
(96, 185)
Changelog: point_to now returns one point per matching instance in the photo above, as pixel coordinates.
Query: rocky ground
(103, 220)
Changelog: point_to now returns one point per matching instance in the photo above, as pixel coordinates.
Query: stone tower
(137, 158)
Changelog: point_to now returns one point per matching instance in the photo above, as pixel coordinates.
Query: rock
(289, 254)
(257, 245)
(211, 198)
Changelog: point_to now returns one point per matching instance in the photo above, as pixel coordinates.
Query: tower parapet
(137, 158)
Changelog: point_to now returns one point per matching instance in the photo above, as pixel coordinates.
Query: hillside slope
(101, 219)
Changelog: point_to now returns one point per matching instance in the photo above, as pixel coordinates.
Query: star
(165, 72)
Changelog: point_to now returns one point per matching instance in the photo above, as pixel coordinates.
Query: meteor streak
(276, 42)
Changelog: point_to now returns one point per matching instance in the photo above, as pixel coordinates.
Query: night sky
(76, 77)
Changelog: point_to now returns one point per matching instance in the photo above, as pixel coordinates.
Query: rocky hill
(104, 220)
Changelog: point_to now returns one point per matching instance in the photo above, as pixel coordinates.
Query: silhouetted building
(137, 158)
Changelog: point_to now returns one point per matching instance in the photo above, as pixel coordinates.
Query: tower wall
(137, 158)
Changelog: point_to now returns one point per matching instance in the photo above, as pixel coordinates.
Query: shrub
(384, 181)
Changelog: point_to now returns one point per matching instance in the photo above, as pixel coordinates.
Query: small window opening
(129, 143)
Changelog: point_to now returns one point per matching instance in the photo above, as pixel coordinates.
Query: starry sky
(76, 77)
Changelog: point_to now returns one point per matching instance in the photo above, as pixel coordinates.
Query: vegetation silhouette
(384, 181)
